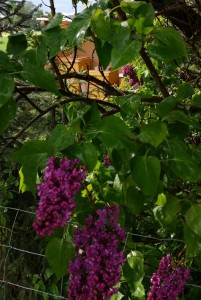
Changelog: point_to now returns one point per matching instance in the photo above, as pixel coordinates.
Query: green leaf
(153, 133)
(40, 77)
(7, 114)
(114, 132)
(92, 121)
(37, 56)
(193, 242)
(168, 44)
(54, 289)
(139, 291)
(86, 153)
(5, 64)
(22, 185)
(134, 200)
(83, 208)
(177, 115)
(161, 200)
(185, 90)
(136, 262)
(7, 86)
(103, 50)
(121, 160)
(144, 17)
(166, 106)
(168, 213)
(117, 185)
(196, 100)
(121, 33)
(130, 7)
(146, 172)
(102, 3)
(90, 156)
(133, 272)
(17, 44)
(182, 163)
(193, 219)
(143, 14)
(60, 138)
(33, 153)
(55, 22)
(129, 104)
(54, 40)
(178, 130)
(28, 175)
(48, 273)
(58, 254)
(78, 27)
(100, 24)
(117, 296)
(121, 57)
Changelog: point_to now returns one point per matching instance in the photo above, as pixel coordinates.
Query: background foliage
(151, 135)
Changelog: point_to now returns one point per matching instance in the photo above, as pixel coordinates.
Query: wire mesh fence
(12, 255)
(30, 261)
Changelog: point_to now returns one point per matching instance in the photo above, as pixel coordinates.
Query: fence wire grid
(7, 248)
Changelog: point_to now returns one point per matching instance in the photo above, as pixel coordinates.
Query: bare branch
(23, 95)
(154, 73)
(114, 107)
(52, 8)
(110, 89)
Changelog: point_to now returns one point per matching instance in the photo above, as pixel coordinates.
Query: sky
(63, 6)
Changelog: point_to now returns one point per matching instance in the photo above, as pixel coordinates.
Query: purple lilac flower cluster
(96, 268)
(61, 183)
(107, 160)
(129, 71)
(169, 280)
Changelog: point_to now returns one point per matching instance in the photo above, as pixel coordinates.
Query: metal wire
(10, 247)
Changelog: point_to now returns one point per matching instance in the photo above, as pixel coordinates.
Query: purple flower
(61, 183)
(117, 17)
(96, 268)
(137, 87)
(107, 160)
(169, 281)
(129, 71)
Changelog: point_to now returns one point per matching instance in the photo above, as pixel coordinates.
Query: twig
(57, 72)
(52, 107)
(198, 4)
(73, 61)
(52, 8)
(154, 73)
(45, 4)
(111, 90)
(29, 100)
(121, 13)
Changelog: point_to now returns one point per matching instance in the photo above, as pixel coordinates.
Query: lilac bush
(97, 266)
(61, 183)
(129, 71)
(107, 160)
(169, 281)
